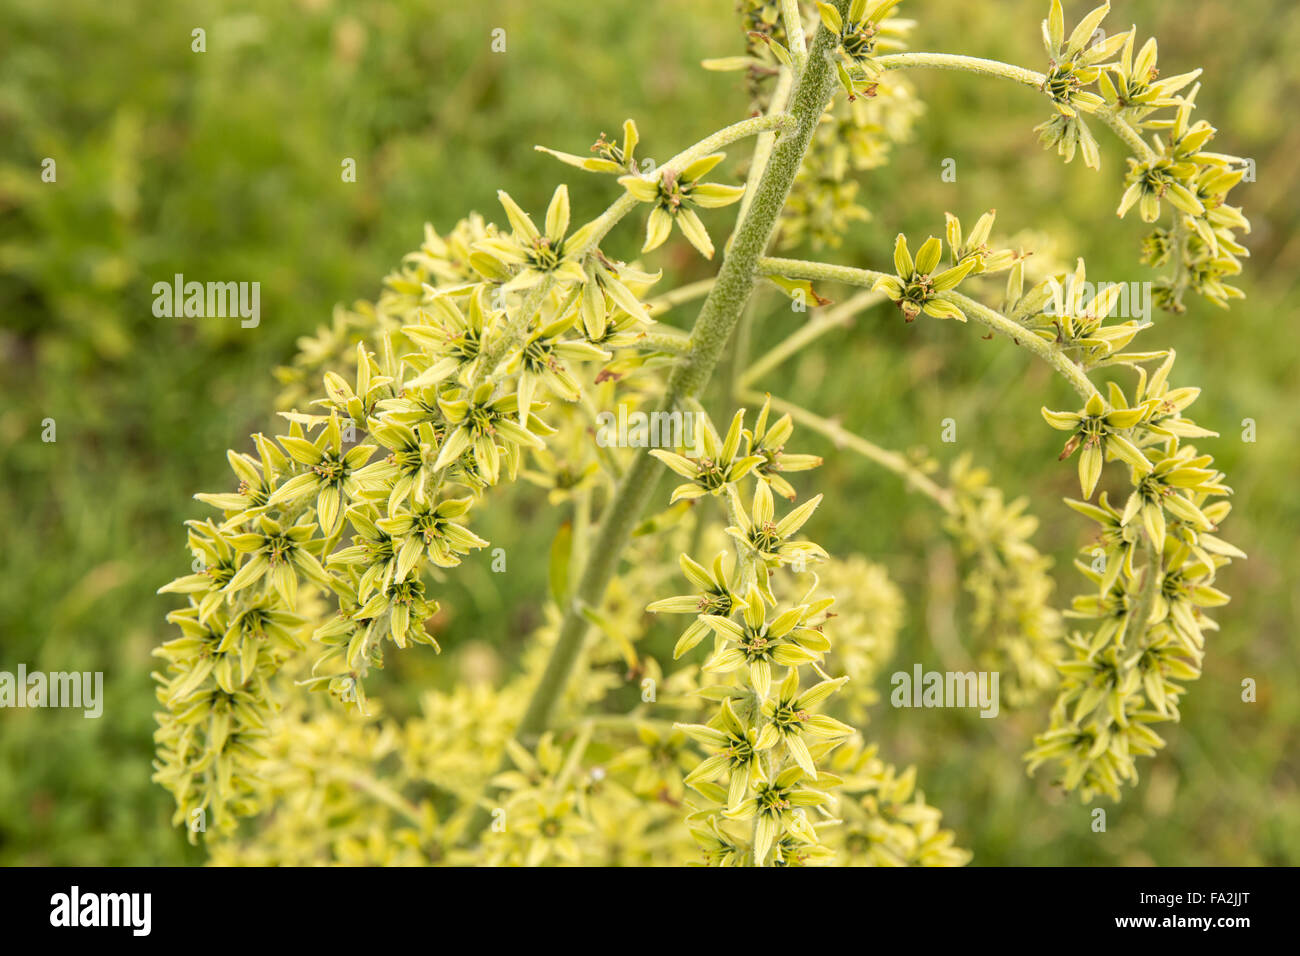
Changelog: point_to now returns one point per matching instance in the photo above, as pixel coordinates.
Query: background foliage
(225, 165)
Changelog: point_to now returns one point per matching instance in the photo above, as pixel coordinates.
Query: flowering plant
(488, 357)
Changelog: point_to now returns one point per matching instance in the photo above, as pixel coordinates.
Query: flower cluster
(1074, 64)
(1009, 581)
(1152, 572)
(1173, 173)
(1202, 241)
(489, 356)
(767, 733)
(366, 497)
(762, 797)
(1059, 310)
(887, 821)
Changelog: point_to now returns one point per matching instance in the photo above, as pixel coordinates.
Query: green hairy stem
(713, 327)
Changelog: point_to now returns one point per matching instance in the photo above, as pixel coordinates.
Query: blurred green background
(226, 165)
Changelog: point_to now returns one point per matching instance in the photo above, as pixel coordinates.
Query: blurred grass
(225, 165)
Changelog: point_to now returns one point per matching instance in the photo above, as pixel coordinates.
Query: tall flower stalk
(491, 355)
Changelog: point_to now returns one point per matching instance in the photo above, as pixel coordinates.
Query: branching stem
(1049, 352)
(890, 460)
(821, 323)
(718, 317)
(1007, 71)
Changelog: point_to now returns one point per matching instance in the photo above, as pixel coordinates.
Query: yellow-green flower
(769, 540)
(216, 562)
(609, 157)
(791, 715)
(914, 287)
(276, 556)
(613, 288)
(1156, 179)
(715, 596)
(719, 463)
(355, 404)
(862, 34)
(528, 255)
(408, 469)
(974, 245)
(673, 193)
(1074, 324)
(431, 531)
(1135, 89)
(540, 361)
(257, 481)
(1166, 487)
(737, 752)
(767, 441)
(1097, 428)
(333, 475)
(1118, 547)
(372, 549)
(719, 847)
(450, 339)
(785, 641)
(780, 806)
(485, 428)
(407, 608)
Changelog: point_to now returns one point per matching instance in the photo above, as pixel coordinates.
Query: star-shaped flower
(673, 193)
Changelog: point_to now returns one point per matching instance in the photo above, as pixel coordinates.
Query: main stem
(717, 319)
